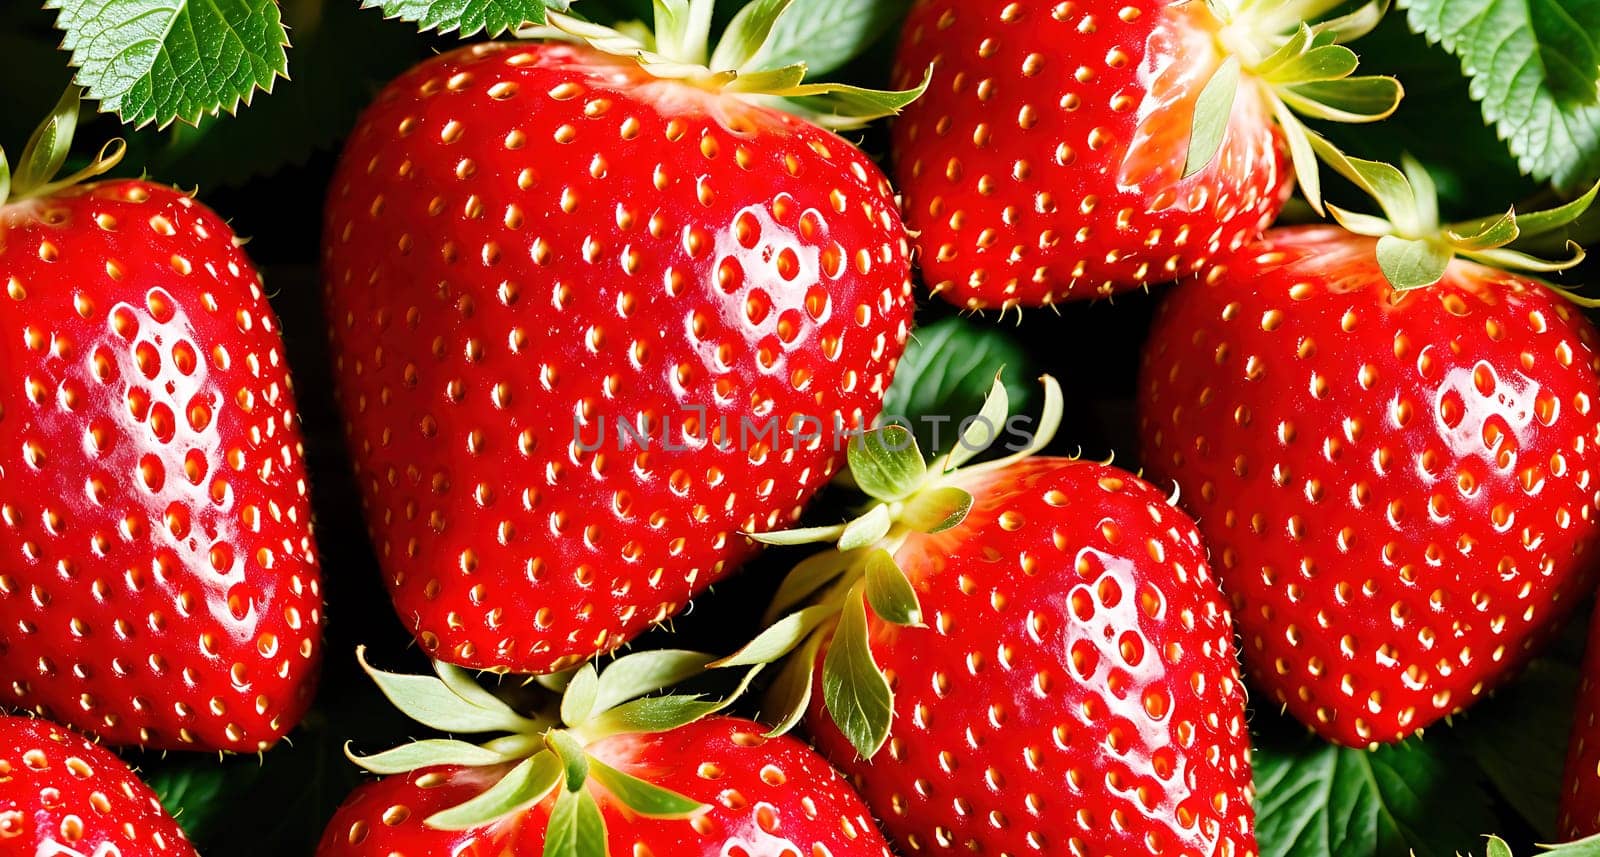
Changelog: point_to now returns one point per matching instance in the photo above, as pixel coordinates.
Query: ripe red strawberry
(707, 785)
(62, 795)
(530, 247)
(162, 587)
(1398, 485)
(1052, 159)
(1057, 668)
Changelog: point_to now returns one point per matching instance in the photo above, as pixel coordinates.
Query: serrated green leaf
(523, 786)
(574, 760)
(642, 797)
(886, 462)
(464, 17)
(1318, 800)
(781, 638)
(937, 510)
(979, 431)
(826, 34)
(946, 374)
(156, 61)
(1532, 66)
(426, 754)
(1213, 108)
(431, 702)
(889, 592)
(576, 828)
(577, 703)
(1412, 263)
(640, 673)
(746, 33)
(855, 691)
(868, 528)
(48, 147)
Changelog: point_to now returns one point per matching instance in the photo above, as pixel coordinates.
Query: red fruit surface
(62, 795)
(767, 798)
(1045, 163)
(530, 245)
(1398, 488)
(161, 586)
(1076, 691)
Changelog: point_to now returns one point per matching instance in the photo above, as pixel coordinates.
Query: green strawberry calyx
(535, 757)
(827, 596)
(1414, 248)
(1296, 53)
(678, 48)
(1494, 846)
(46, 153)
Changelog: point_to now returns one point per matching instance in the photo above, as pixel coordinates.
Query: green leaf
(1412, 263)
(889, 592)
(640, 673)
(1212, 110)
(781, 638)
(886, 462)
(937, 510)
(1518, 737)
(577, 703)
(431, 702)
(576, 828)
(1532, 66)
(48, 147)
(155, 61)
(523, 786)
(1352, 99)
(855, 691)
(946, 373)
(574, 760)
(826, 34)
(983, 428)
(644, 798)
(867, 529)
(746, 33)
(653, 714)
(1318, 800)
(790, 695)
(426, 754)
(464, 17)
(840, 107)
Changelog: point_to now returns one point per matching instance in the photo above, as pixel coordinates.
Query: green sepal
(652, 714)
(1353, 25)
(767, 80)
(1302, 155)
(937, 509)
(523, 786)
(808, 576)
(1325, 62)
(683, 28)
(1383, 182)
(5, 178)
(742, 40)
(427, 754)
(790, 694)
(1486, 234)
(1539, 222)
(576, 828)
(800, 536)
(574, 759)
(555, 682)
(1361, 224)
(867, 529)
(1367, 98)
(839, 107)
(642, 797)
(890, 592)
(1411, 263)
(886, 463)
(855, 691)
(1292, 48)
(579, 700)
(49, 145)
(438, 703)
(635, 675)
(1513, 260)
(1212, 110)
(984, 427)
(780, 638)
(1044, 432)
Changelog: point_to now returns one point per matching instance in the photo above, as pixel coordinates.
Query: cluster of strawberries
(1384, 438)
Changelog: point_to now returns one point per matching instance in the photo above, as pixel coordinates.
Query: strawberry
(567, 297)
(62, 795)
(163, 587)
(1390, 452)
(654, 776)
(1047, 665)
(1076, 150)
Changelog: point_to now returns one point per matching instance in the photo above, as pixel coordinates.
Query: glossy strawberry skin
(1045, 162)
(161, 586)
(526, 240)
(1076, 691)
(1398, 490)
(766, 798)
(61, 794)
